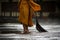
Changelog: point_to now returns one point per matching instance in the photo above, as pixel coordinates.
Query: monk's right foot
(26, 32)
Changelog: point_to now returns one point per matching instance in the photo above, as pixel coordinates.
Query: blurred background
(9, 10)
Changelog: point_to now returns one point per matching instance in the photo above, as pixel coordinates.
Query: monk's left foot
(26, 32)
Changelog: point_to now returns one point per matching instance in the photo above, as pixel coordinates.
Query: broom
(38, 26)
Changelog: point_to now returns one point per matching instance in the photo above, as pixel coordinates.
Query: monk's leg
(25, 28)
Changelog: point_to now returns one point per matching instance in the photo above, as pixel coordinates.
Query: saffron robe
(26, 10)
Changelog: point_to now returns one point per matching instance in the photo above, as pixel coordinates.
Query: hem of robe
(26, 24)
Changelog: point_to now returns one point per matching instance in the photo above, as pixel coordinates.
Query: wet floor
(52, 26)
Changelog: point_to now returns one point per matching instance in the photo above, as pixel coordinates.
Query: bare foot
(26, 32)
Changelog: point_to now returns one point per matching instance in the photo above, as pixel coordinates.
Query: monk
(26, 10)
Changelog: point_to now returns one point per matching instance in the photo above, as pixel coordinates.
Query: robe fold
(26, 10)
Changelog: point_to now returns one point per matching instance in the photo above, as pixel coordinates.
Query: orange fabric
(35, 6)
(25, 13)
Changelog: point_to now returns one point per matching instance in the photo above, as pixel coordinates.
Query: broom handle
(36, 18)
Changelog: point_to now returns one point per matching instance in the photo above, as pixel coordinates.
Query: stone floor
(52, 26)
(32, 36)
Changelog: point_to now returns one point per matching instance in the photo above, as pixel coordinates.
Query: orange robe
(26, 9)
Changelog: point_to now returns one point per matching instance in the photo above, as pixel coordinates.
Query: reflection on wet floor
(32, 36)
(52, 26)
